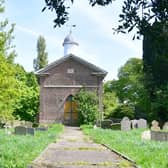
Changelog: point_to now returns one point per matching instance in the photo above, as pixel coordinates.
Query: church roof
(96, 70)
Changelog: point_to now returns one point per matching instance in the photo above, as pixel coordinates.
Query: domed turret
(70, 45)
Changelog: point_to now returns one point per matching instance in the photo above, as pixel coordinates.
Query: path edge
(122, 155)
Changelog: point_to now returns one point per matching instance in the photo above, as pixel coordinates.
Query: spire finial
(71, 26)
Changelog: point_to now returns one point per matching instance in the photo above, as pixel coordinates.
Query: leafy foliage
(87, 106)
(60, 7)
(18, 89)
(141, 14)
(26, 106)
(159, 106)
(130, 91)
(42, 56)
(138, 14)
(110, 102)
(8, 89)
(129, 87)
(8, 83)
(123, 110)
(155, 57)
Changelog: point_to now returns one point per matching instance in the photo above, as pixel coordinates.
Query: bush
(122, 111)
(87, 106)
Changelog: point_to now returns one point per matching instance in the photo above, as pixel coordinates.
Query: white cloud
(35, 34)
(105, 21)
(27, 31)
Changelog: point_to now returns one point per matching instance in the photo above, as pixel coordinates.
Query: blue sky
(97, 43)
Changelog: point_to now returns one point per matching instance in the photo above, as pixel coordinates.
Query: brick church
(62, 79)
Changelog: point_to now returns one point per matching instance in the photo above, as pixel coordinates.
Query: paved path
(75, 150)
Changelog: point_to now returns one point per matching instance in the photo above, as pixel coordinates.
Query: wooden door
(70, 111)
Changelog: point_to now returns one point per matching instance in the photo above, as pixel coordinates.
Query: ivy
(87, 106)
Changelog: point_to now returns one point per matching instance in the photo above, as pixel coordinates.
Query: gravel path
(75, 150)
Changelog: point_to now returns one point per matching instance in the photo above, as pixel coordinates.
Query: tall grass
(147, 154)
(17, 151)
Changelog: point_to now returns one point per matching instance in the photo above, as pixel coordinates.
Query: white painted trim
(70, 86)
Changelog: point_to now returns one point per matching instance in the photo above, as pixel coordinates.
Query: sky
(97, 42)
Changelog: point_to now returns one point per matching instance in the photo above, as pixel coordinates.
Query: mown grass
(17, 151)
(147, 154)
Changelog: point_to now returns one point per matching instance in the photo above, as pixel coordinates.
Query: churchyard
(139, 144)
(20, 146)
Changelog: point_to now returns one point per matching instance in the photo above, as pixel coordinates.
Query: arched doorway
(70, 111)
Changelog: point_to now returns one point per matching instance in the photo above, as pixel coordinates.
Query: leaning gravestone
(125, 124)
(165, 126)
(20, 130)
(142, 123)
(30, 131)
(134, 123)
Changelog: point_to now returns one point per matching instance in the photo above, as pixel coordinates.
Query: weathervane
(71, 26)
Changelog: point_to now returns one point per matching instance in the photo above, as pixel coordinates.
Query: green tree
(42, 56)
(26, 106)
(19, 92)
(8, 82)
(8, 89)
(110, 102)
(130, 90)
(153, 25)
(87, 106)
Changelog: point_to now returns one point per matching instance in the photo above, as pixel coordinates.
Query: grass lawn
(147, 154)
(17, 151)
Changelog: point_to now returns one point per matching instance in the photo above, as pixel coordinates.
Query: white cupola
(70, 45)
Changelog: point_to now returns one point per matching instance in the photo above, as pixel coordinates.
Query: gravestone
(125, 124)
(30, 131)
(165, 126)
(16, 123)
(41, 129)
(142, 123)
(106, 124)
(7, 127)
(134, 123)
(146, 135)
(20, 130)
(159, 135)
(155, 126)
(28, 124)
